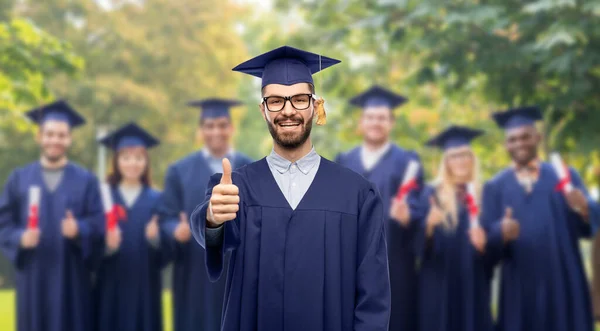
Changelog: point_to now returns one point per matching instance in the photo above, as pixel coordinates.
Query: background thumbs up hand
(70, 229)
(152, 228)
(435, 217)
(510, 227)
(224, 202)
(182, 231)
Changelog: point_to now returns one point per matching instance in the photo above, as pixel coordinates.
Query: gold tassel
(320, 110)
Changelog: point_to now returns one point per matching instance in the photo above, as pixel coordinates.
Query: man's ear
(38, 135)
(261, 106)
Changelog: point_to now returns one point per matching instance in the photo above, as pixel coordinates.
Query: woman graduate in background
(128, 288)
(454, 277)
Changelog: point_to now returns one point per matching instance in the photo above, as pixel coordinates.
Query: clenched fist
(182, 232)
(70, 229)
(478, 238)
(30, 238)
(152, 228)
(225, 199)
(113, 239)
(400, 211)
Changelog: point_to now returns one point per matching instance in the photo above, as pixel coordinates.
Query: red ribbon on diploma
(562, 184)
(116, 214)
(472, 205)
(33, 219)
(403, 190)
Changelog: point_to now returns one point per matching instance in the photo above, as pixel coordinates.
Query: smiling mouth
(289, 124)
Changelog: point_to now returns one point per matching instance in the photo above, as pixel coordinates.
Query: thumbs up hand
(152, 228)
(435, 217)
(478, 238)
(510, 227)
(70, 230)
(224, 202)
(182, 232)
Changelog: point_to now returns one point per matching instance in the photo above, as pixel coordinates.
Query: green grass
(7, 310)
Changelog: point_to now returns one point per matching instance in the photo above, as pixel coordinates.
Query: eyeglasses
(298, 101)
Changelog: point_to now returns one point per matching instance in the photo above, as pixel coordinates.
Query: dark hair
(115, 176)
(310, 86)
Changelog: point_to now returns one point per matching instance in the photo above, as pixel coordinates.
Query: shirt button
(294, 167)
(294, 184)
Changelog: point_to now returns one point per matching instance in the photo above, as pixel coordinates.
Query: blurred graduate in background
(128, 288)
(51, 225)
(535, 219)
(384, 164)
(197, 303)
(454, 279)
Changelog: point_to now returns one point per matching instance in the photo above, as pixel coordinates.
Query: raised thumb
(226, 178)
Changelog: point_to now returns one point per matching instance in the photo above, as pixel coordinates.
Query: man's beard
(288, 141)
(53, 158)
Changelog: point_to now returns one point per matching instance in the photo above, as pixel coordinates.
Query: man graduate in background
(197, 302)
(534, 226)
(384, 164)
(51, 219)
(306, 235)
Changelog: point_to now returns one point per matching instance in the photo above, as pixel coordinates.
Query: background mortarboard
(377, 96)
(129, 135)
(517, 117)
(214, 107)
(454, 136)
(58, 110)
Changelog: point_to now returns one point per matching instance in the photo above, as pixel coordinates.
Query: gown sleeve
(170, 203)
(163, 249)
(373, 298)
(491, 221)
(10, 231)
(215, 254)
(91, 223)
(414, 207)
(587, 227)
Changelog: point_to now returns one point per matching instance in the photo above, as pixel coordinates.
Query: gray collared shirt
(293, 179)
(215, 163)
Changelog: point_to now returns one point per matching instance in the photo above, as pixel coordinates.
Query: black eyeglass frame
(286, 99)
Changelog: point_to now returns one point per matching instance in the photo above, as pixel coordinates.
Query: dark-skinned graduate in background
(535, 230)
(52, 243)
(454, 279)
(384, 164)
(128, 290)
(197, 302)
(306, 235)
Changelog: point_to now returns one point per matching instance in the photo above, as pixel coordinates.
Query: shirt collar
(207, 155)
(305, 164)
(378, 152)
(531, 167)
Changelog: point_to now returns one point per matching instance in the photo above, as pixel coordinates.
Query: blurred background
(456, 61)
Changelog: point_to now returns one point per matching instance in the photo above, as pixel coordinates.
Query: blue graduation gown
(454, 279)
(53, 280)
(322, 266)
(197, 303)
(543, 284)
(387, 175)
(128, 285)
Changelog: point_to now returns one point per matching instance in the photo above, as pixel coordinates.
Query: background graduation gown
(322, 266)
(197, 303)
(454, 279)
(128, 285)
(53, 280)
(387, 175)
(543, 283)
